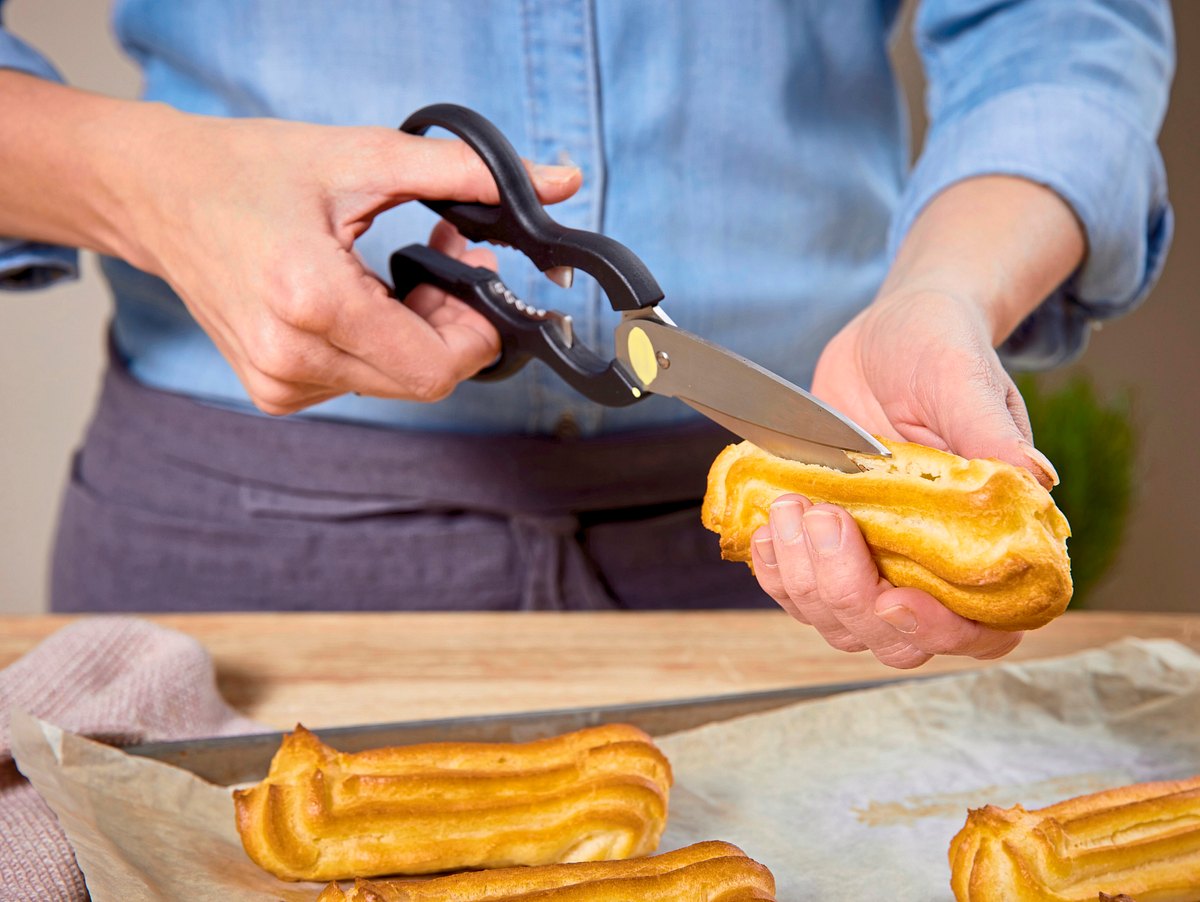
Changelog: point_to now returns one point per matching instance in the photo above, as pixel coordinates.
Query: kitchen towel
(117, 679)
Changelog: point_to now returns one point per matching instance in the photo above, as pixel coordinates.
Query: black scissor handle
(524, 332)
(520, 220)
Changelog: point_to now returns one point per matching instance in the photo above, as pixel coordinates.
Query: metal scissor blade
(739, 394)
(777, 443)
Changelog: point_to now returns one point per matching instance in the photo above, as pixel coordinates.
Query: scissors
(653, 355)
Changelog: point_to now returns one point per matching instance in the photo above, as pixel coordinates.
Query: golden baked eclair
(321, 814)
(705, 872)
(1142, 840)
(981, 536)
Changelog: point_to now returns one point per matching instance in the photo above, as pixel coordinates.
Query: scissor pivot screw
(664, 362)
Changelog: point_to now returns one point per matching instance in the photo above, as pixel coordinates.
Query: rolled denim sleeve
(1069, 94)
(30, 264)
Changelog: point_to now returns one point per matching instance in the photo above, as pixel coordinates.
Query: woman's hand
(920, 368)
(919, 365)
(253, 223)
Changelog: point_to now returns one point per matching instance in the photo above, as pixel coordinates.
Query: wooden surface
(333, 669)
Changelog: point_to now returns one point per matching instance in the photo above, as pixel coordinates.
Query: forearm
(999, 243)
(70, 161)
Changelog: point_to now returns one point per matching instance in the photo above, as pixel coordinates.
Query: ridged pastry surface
(1141, 840)
(981, 536)
(322, 814)
(705, 872)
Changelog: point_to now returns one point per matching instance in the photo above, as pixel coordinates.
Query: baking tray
(240, 759)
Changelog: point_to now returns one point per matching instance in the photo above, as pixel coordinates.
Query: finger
(442, 169)
(1037, 463)
(851, 395)
(272, 396)
(796, 572)
(422, 360)
(766, 571)
(305, 380)
(966, 401)
(275, 396)
(1018, 411)
(378, 348)
(848, 582)
(936, 630)
(279, 399)
(446, 238)
(444, 311)
(974, 409)
(340, 305)
(285, 369)
(426, 299)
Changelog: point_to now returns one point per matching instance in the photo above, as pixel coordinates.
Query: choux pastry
(705, 872)
(321, 814)
(981, 536)
(1140, 841)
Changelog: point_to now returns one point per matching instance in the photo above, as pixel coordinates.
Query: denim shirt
(753, 153)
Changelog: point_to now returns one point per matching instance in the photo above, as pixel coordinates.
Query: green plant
(1093, 446)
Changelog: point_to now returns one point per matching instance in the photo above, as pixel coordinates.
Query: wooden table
(333, 669)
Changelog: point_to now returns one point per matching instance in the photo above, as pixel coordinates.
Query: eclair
(705, 872)
(1140, 841)
(322, 814)
(981, 536)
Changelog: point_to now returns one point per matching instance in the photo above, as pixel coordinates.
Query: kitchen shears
(653, 355)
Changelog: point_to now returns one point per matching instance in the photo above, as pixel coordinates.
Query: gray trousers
(174, 505)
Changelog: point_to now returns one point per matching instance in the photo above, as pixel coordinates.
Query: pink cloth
(116, 679)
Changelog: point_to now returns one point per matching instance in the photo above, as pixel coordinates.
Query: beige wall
(1155, 351)
(52, 350)
(52, 340)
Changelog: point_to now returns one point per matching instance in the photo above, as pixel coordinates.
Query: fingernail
(766, 550)
(899, 617)
(549, 173)
(787, 521)
(824, 530)
(1041, 461)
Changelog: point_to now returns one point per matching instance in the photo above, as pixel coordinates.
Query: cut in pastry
(705, 872)
(981, 536)
(1141, 841)
(326, 815)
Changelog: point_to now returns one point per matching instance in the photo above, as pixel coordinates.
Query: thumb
(441, 169)
(983, 415)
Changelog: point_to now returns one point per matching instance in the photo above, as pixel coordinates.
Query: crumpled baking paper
(847, 798)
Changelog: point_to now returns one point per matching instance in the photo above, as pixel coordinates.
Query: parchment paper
(856, 797)
(850, 798)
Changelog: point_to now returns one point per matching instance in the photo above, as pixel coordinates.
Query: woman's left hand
(919, 368)
(919, 365)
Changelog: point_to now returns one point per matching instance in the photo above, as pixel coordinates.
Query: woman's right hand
(253, 223)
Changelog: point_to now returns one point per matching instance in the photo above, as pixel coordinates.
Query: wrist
(996, 313)
(131, 148)
(74, 165)
(998, 243)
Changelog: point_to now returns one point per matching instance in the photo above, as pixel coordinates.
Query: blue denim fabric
(754, 154)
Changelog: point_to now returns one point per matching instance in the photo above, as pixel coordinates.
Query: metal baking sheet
(240, 759)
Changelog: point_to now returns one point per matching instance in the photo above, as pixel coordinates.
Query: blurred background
(1125, 421)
